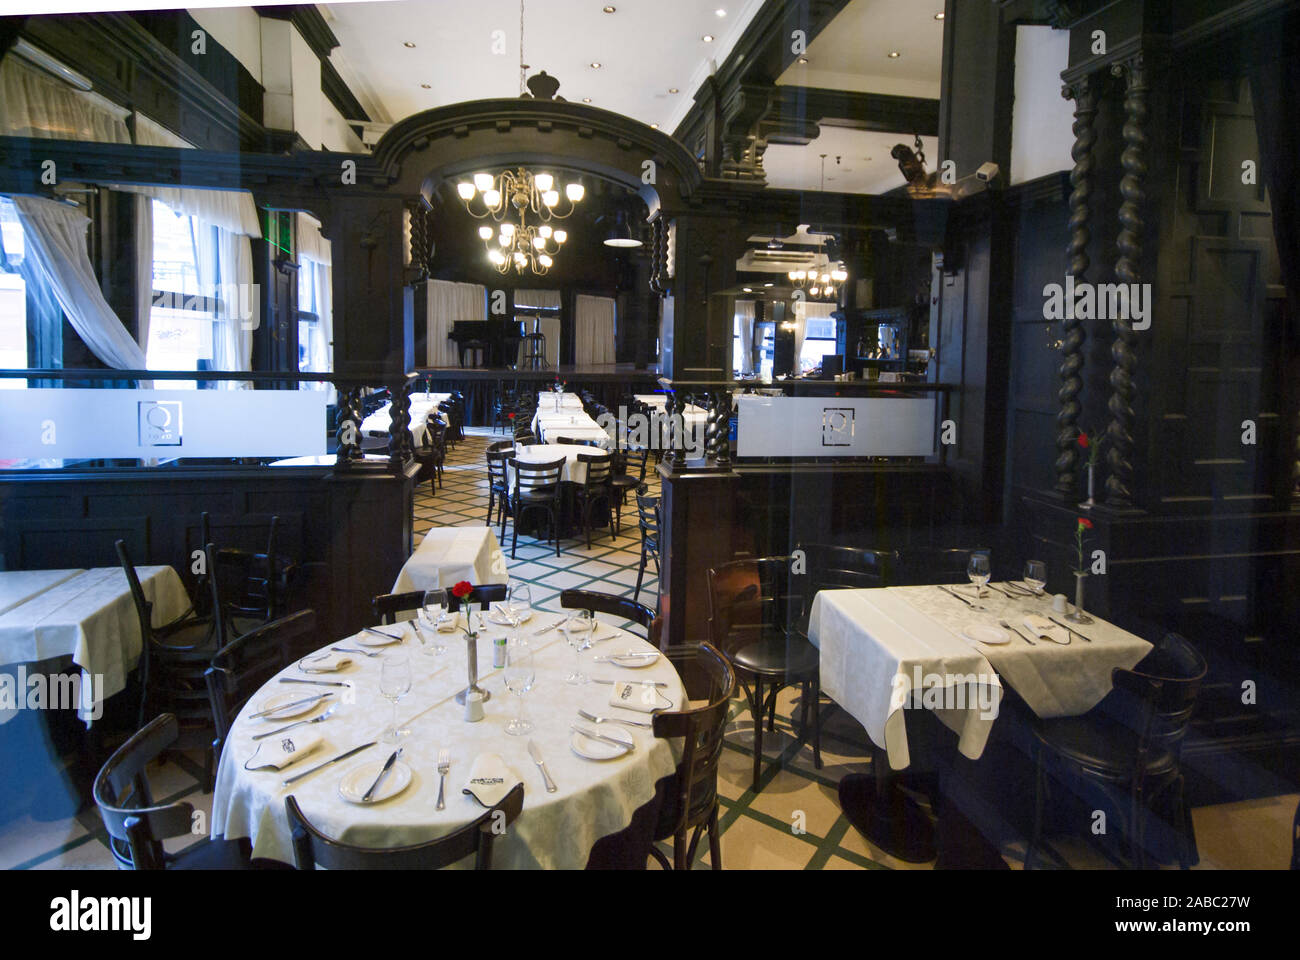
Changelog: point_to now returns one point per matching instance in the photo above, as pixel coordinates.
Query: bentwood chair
(431, 453)
(498, 480)
(608, 603)
(691, 807)
(1128, 749)
(629, 474)
(753, 619)
(241, 667)
(387, 606)
(311, 848)
(137, 825)
(536, 487)
(254, 587)
(829, 567)
(596, 491)
(647, 509)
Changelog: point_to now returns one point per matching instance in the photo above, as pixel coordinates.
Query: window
(819, 341)
(31, 320)
(182, 319)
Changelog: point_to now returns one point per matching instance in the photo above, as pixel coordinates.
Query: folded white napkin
(640, 697)
(276, 753)
(325, 663)
(1042, 627)
(449, 624)
(490, 779)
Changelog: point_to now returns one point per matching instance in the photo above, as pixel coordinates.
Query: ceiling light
(485, 233)
(654, 126)
(938, 16)
(496, 257)
(747, 289)
(492, 199)
(409, 45)
(619, 234)
(609, 9)
(769, 284)
(465, 189)
(561, 236)
(575, 192)
(595, 64)
(803, 59)
(482, 182)
(425, 86)
(707, 38)
(894, 54)
(672, 90)
(545, 261)
(550, 197)
(544, 231)
(720, 12)
(586, 99)
(544, 182)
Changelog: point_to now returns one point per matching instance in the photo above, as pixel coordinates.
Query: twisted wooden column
(674, 414)
(1123, 352)
(348, 431)
(399, 429)
(718, 433)
(1084, 94)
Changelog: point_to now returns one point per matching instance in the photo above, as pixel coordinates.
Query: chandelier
(520, 194)
(819, 284)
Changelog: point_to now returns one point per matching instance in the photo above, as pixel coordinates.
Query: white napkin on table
(1042, 627)
(490, 779)
(327, 663)
(276, 753)
(640, 697)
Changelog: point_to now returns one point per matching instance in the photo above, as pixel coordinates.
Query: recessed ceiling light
(894, 54)
(720, 12)
(803, 59)
(672, 90)
(586, 99)
(769, 284)
(707, 38)
(938, 16)
(748, 289)
(409, 45)
(425, 86)
(609, 9)
(595, 64)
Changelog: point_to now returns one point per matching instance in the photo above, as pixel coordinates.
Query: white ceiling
(853, 52)
(800, 168)
(645, 48)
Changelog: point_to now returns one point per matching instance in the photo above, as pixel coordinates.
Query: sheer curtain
(34, 104)
(549, 326)
(803, 312)
(56, 235)
(143, 275)
(593, 330)
(315, 249)
(224, 262)
(745, 327)
(448, 302)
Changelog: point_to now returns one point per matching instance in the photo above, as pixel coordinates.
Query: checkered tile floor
(793, 822)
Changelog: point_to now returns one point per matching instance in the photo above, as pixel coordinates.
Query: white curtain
(56, 235)
(314, 249)
(34, 104)
(311, 244)
(745, 327)
(548, 326)
(144, 276)
(225, 266)
(803, 312)
(448, 302)
(593, 330)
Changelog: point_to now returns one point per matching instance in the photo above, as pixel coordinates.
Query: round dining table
(556, 830)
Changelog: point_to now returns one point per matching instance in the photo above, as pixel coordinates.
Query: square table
(448, 555)
(19, 586)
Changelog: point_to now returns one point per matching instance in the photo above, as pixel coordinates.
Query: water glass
(1036, 575)
(519, 677)
(979, 571)
(395, 683)
(435, 608)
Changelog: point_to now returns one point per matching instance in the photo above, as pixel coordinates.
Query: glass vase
(1077, 615)
(471, 656)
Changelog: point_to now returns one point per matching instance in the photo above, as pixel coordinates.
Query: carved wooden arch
(418, 151)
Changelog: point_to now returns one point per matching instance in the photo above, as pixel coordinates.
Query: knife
(629, 655)
(286, 706)
(644, 683)
(629, 747)
(322, 766)
(1070, 630)
(318, 683)
(419, 634)
(541, 765)
(380, 633)
(952, 593)
(388, 765)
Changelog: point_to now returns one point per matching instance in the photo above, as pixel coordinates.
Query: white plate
(599, 749)
(267, 703)
(498, 617)
(357, 781)
(633, 661)
(373, 640)
(985, 634)
(310, 663)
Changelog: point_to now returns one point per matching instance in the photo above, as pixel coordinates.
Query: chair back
(574, 442)
(647, 513)
(748, 598)
(599, 470)
(708, 676)
(311, 848)
(1167, 682)
(631, 461)
(136, 825)
(829, 567)
(387, 606)
(496, 464)
(241, 667)
(143, 608)
(609, 603)
(499, 445)
(922, 565)
(537, 477)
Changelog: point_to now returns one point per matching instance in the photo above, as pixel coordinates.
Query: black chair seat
(212, 855)
(775, 653)
(194, 640)
(1101, 745)
(536, 494)
(625, 482)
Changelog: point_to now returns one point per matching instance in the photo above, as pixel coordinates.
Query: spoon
(323, 716)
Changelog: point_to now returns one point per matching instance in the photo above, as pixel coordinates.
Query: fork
(364, 653)
(444, 764)
(1017, 633)
(598, 720)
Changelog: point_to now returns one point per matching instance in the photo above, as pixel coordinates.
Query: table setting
(433, 726)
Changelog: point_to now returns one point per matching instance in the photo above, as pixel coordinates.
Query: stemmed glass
(979, 572)
(435, 607)
(519, 600)
(519, 676)
(577, 638)
(1036, 576)
(395, 683)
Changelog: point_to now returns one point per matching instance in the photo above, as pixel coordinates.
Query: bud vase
(1090, 502)
(471, 652)
(1077, 615)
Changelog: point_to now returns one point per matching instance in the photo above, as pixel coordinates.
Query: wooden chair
(692, 805)
(608, 603)
(311, 848)
(254, 586)
(629, 475)
(432, 453)
(498, 480)
(1129, 747)
(536, 487)
(753, 618)
(829, 567)
(595, 490)
(387, 606)
(647, 509)
(137, 825)
(241, 667)
(922, 565)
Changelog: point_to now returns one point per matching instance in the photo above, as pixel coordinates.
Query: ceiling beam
(796, 113)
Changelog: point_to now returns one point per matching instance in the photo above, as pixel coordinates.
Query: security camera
(987, 172)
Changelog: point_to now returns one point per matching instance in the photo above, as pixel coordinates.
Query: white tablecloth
(555, 830)
(660, 400)
(572, 426)
(423, 407)
(573, 471)
(19, 586)
(91, 618)
(448, 555)
(568, 401)
(878, 646)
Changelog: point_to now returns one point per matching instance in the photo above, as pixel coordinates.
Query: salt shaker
(473, 706)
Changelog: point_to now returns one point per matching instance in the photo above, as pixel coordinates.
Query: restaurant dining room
(745, 435)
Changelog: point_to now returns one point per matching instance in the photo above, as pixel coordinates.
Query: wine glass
(576, 638)
(979, 572)
(519, 676)
(1036, 576)
(519, 600)
(435, 608)
(395, 683)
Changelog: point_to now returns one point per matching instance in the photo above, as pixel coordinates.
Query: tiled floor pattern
(793, 822)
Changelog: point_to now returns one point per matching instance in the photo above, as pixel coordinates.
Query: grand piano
(496, 338)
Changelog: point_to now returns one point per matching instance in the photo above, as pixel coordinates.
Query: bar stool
(535, 348)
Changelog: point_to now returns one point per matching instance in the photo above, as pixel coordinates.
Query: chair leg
(771, 710)
(1040, 784)
(715, 840)
(514, 532)
(1188, 856)
(817, 722)
(756, 710)
(640, 573)
(492, 502)
(680, 850)
(554, 515)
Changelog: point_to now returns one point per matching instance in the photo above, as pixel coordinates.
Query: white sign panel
(60, 424)
(835, 427)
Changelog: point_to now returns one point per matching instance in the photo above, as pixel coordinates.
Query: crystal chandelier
(520, 194)
(822, 284)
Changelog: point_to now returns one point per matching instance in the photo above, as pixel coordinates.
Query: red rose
(1085, 524)
(1083, 441)
(462, 589)
(510, 416)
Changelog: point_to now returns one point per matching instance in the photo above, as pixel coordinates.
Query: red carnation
(1083, 441)
(1085, 524)
(510, 416)
(462, 589)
